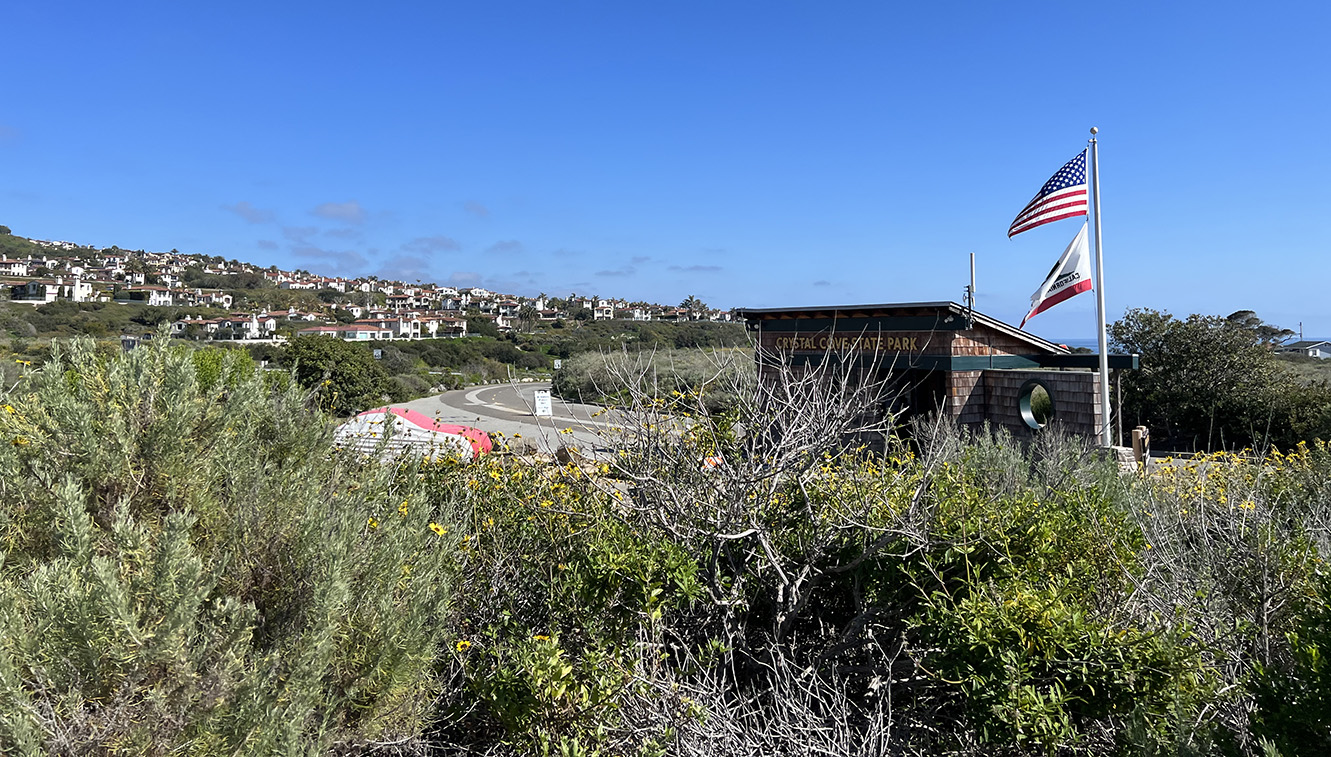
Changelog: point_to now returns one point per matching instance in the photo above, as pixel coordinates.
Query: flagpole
(1105, 410)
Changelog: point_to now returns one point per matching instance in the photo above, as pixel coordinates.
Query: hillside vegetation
(414, 368)
(191, 567)
(614, 377)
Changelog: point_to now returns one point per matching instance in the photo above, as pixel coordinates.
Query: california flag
(1071, 275)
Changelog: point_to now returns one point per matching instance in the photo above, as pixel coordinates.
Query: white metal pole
(1106, 412)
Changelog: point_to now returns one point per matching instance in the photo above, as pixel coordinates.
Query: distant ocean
(1089, 344)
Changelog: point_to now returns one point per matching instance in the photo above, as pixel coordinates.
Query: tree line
(1211, 382)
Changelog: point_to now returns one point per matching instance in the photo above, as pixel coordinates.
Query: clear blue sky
(752, 154)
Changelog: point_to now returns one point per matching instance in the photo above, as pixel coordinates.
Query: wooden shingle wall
(965, 400)
(985, 342)
(1074, 394)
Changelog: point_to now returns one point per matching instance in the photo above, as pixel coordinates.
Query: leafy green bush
(554, 590)
(1016, 599)
(344, 377)
(188, 567)
(1293, 695)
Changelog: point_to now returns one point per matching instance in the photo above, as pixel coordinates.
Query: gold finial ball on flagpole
(1094, 131)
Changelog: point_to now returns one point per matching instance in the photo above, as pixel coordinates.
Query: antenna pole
(972, 278)
(970, 291)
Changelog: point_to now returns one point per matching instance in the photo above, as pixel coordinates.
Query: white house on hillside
(1311, 348)
(13, 267)
(149, 295)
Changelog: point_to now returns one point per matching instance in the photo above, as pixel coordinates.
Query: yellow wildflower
(438, 529)
(372, 523)
(463, 645)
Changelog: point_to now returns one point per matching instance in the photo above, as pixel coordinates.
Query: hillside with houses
(217, 299)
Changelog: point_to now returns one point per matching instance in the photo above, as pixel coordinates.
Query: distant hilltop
(38, 271)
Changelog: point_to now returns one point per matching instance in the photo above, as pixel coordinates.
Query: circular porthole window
(1037, 404)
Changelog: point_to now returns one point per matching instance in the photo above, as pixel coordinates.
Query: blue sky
(751, 154)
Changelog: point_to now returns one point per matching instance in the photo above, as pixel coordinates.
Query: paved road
(507, 409)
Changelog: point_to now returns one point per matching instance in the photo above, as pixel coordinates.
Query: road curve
(506, 409)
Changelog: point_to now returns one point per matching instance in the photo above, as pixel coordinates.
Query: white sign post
(558, 363)
(543, 407)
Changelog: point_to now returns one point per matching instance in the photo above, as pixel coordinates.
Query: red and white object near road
(410, 432)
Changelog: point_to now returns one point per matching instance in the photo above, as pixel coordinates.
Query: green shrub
(410, 386)
(344, 377)
(554, 591)
(1016, 602)
(189, 568)
(1293, 694)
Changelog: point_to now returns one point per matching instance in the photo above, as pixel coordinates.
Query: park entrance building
(938, 357)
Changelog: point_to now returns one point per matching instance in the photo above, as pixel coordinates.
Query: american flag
(1063, 196)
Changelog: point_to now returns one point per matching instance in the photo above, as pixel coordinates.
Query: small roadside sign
(558, 363)
(378, 354)
(543, 406)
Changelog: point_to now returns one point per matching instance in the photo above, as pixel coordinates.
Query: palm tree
(693, 304)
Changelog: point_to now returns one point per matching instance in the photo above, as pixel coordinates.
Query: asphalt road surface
(507, 409)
